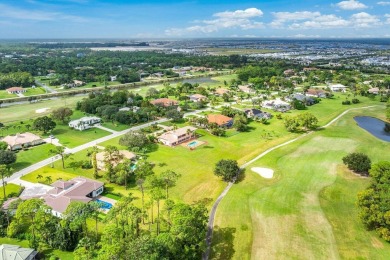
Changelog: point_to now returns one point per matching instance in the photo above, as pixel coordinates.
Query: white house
(338, 88)
(178, 136)
(16, 90)
(113, 78)
(84, 123)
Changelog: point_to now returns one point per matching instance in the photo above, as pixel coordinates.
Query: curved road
(210, 224)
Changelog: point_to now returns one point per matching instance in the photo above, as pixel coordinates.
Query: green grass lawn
(5, 94)
(71, 138)
(33, 155)
(307, 211)
(34, 91)
(11, 190)
(115, 126)
(25, 112)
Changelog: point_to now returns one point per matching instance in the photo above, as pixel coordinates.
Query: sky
(50, 19)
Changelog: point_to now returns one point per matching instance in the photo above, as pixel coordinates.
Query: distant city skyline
(192, 19)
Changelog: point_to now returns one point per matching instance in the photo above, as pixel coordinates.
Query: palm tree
(60, 150)
(140, 183)
(48, 179)
(5, 171)
(39, 177)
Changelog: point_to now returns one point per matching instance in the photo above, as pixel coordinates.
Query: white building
(338, 88)
(84, 123)
(178, 136)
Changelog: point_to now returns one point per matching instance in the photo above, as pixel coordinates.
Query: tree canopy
(358, 162)
(373, 202)
(227, 169)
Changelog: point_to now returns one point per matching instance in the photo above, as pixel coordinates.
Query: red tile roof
(219, 119)
(166, 102)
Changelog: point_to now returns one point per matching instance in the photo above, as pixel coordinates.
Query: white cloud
(316, 20)
(36, 15)
(383, 3)
(388, 18)
(308, 20)
(240, 14)
(242, 19)
(282, 17)
(351, 5)
(364, 20)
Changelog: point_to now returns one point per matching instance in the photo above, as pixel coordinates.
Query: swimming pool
(192, 144)
(104, 204)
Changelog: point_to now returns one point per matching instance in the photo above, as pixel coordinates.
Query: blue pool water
(104, 204)
(374, 126)
(192, 144)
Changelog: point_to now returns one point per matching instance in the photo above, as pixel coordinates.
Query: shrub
(355, 101)
(358, 162)
(346, 102)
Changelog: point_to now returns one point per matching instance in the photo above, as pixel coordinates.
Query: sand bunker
(41, 110)
(264, 172)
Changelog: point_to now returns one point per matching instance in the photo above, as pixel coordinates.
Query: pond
(374, 126)
(200, 80)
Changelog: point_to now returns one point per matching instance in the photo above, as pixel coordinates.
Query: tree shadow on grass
(223, 246)
(241, 176)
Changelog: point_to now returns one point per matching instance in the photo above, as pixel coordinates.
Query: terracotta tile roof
(218, 119)
(76, 189)
(14, 89)
(166, 102)
(221, 91)
(20, 139)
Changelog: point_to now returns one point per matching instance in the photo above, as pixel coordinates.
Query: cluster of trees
(154, 230)
(373, 202)
(94, 66)
(358, 162)
(6, 159)
(44, 124)
(301, 122)
(107, 106)
(227, 169)
(16, 79)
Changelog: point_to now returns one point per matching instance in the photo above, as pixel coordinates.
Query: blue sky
(189, 19)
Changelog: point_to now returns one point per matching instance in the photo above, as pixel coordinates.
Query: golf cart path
(210, 225)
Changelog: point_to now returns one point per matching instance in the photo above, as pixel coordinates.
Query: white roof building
(84, 122)
(338, 87)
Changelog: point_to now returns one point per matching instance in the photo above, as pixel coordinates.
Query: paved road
(210, 225)
(115, 134)
(52, 159)
(46, 87)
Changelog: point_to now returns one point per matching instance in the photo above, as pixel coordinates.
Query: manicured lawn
(48, 252)
(115, 126)
(10, 189)
(34, 91)
(307, 211)
(5, 94)
(71, 138)
(25, 112)
(33, 155)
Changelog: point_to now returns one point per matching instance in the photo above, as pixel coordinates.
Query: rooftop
(218, 119)
(20, 139)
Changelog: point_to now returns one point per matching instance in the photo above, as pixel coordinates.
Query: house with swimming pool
(77, 189)
(178, 136)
